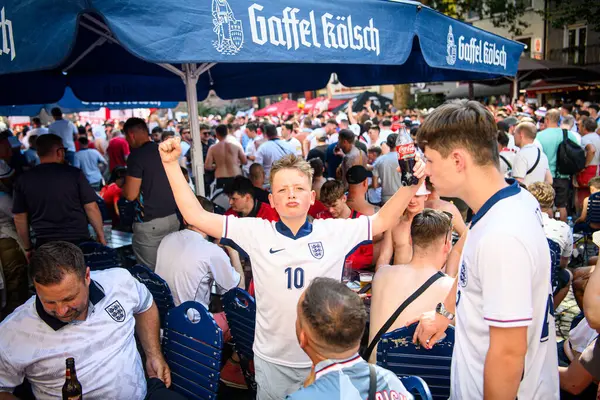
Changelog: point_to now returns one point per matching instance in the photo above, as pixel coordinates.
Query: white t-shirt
(504, 281)
(65, 129)
(525, 159)
(189, 264)
(271, 151)
(295, 143)
(283, 265)
(509, 155)
(250, 151)
(35, 131)
(559, 232)
(593, 139)
(35, 345)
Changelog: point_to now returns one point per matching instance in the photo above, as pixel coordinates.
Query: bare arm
(234, 257)
(504, 362)
(386, 250)
(22, 225)
(95, 217)
(192, 211)
(131, 189)
(242, 156)
(453, 262)
(147, 327)
(209, 163)
(548, 177)
(591, 299)
(574, 378)
(584, 208)
(590, 151)
(375, 182)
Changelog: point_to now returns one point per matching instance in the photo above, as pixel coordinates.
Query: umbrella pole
(515, 90)
(192, 74)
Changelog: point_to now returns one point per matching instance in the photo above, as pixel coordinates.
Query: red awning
(556, 87)
(279, 108)
(322, 104)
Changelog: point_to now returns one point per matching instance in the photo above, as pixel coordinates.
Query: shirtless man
(393, 284)
(434, 202)
(224, 158)
(396, 241)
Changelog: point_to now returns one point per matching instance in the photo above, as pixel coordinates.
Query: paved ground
(564, 314)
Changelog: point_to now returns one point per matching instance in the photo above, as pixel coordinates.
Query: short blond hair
(595, 182)
(291, 161)
(543, 193)
(553, 116)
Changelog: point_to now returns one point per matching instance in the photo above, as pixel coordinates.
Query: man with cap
(358, 185)
(396, 241)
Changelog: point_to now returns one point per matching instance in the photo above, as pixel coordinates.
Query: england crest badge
(316, 250)
(116, 311)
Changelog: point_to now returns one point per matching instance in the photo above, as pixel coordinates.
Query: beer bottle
(72, 388)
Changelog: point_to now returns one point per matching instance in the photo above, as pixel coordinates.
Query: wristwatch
(441, 309)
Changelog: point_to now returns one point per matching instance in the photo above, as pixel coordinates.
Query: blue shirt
(87, 161)
(349, 380)
(333, 161)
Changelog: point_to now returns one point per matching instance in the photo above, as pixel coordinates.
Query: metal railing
(577, 55)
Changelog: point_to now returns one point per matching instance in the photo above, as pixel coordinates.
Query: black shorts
(561, 187)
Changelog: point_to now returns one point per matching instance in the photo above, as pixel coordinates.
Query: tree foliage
(568, 12)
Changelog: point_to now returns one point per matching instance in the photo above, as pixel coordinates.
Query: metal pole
(191, 79)
(515, 90)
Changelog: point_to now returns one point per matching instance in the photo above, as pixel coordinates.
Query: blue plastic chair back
(99, 257)
(555, 253)
(157, 287)
(106, 216)
(240, 309)
(397, 353)
(193, 351)
(417, 387)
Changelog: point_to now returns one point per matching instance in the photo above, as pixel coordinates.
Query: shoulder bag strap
(372, 382)
(398, 311)
(537, 161)
(285, 152)
(565, 135)
(506, 161)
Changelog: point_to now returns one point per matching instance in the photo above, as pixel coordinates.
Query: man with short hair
(590, 141)
(568, 122)
(385, 172)
(55, 199)
(358, 185)
(156, 134)
(431, 240)
(89, 161)
(207, 141)
(37, 129)
(224, 158)
(272, 150)
(385, 131)
(251, 146)
(320, 150)
(550, 138)
(241, 194)
(287, 131)
(146, 181)
(329, 327)
(352, 154)
(506, 154)
(374, 138)
(90, 316)
(530, 164)
(594, 109)
(505, 345)
(186, 149)
(286, 256)
(66, 131)
(257, 177)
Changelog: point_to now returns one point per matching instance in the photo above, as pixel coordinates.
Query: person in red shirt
(118, 150)
(334, 198)
(111, 193)
(242, 202)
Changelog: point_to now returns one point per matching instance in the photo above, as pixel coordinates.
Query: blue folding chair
(240, 309)
(192, 349)
(555, 253)
(99, 257)
(157, 287)
(416, 386)
(397, 353)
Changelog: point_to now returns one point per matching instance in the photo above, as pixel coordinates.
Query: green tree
(567, 12)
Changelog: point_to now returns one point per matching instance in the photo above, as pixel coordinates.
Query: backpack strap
(372, 382)
(506, 161)
(398, 311)
(536, 162)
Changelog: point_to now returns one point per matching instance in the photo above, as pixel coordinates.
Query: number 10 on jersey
(295, 277)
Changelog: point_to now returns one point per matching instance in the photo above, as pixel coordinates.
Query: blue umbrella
(110, 50)
(71, 104)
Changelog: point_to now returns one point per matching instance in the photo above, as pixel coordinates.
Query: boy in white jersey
(286, 256)
(505, 342)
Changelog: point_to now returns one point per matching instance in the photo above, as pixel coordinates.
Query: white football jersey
(504, 281)
(283, 265)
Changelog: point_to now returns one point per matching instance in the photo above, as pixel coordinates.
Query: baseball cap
(356, 175)
(541, 112)
(320, 134)
(511, 121)
(423, 190)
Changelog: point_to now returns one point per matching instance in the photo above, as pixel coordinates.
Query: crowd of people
(297, 207)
